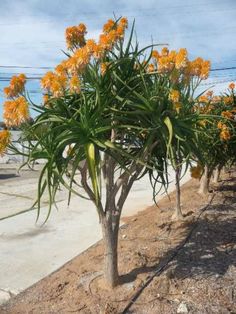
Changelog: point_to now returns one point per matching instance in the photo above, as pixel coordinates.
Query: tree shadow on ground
(210, 250)
(4, 176)
(226, 188)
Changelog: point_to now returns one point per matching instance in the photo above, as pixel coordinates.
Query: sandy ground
(200, 277)
(30, 251)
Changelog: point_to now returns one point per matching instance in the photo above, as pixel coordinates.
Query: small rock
(182, 308)
(4, 296)
(124, 236)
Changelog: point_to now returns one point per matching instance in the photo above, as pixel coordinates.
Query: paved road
(29, 251)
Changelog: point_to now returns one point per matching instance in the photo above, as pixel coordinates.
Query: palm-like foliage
(119, 127)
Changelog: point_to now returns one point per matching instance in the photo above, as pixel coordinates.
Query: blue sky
(32, 31)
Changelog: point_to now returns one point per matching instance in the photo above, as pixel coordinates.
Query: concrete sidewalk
(30, 252)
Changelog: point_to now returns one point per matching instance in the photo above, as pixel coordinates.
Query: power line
(37, 76)
(48, 67)
(25, 67)
(219, 82)
(223, 69)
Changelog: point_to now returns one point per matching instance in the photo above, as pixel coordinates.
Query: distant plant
(217, 139)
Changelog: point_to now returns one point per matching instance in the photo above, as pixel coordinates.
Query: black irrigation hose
(163, 267)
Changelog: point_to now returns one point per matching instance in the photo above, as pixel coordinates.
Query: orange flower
(5, 138)
(104, 67)
(164, 52)
(177, 106)
(17, 86)
(91, 45)
(165, 64)
(232, 86)
(106, 41)
(196, 172)
(205, 68)
(124, 22)
(108, 26)
(174, 95)
(181, 59)
(55, 83)
(98, 51)
(221, 125)
(47, 80)
(200, 68)
(228, 100)
(122, 25)
(15, 111)
(61, 68)
(227, 114)
(75, 84)
(77, 63)
(45, 98)
(82, 57)
(75, 36)
(155, 54)
(225, 134)
(151, 68)
(203, 98)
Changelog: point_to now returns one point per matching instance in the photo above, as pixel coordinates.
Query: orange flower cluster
(196, 171)
(15, 111)
(232, 86)
(228, 100)
(108, 26)
(54, 83)
(104, 66)
(5, 137)
(75, 84)
(112, 32)
(151, 68)
(227, 114)
(200, 68)
(174, 96)
(225, 134)
(75, 36)
(78, 62)
(167, 61)
(224, 131)
(66, 73)
(16, 87)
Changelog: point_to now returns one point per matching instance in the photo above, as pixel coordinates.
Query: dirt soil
(200, 278)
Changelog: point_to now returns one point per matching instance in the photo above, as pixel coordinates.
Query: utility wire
(48, 67)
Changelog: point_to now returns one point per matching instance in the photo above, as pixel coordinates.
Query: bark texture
(178, 212)
(205, 181)
(110, 238)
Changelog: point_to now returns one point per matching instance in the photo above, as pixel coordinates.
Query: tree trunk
(178, 212)
(110, 240)
(216, 176)
(205, 181)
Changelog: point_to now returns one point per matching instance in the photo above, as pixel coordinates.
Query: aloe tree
(113, 126)
(218, 137)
